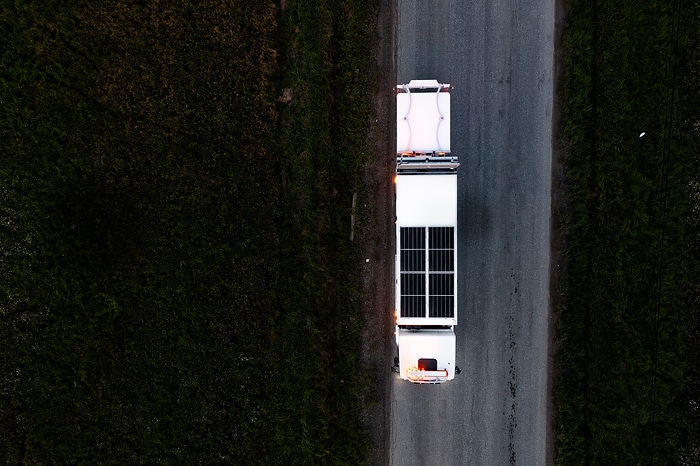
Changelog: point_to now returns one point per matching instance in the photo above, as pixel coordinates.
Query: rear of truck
(426, 234)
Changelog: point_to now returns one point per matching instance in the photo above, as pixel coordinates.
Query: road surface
(499, 57)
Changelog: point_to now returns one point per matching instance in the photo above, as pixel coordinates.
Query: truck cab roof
(423, 118)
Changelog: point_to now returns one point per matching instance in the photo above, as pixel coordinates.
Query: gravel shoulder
(376, 235)
(557, 235)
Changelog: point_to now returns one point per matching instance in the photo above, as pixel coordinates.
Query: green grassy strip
(178, 284)
(323, 146)
(624, 365)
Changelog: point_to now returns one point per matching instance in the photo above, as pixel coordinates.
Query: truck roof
(426, 199)
(426, 255)
(425, 272)
(423, 118)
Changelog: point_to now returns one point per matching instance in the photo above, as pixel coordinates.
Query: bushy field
(628, 390)
(177, 282)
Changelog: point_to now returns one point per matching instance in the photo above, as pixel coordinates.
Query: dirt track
(375, 215)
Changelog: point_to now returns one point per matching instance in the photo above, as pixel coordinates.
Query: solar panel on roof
(412, 272)
(438, 284)
(413, 238)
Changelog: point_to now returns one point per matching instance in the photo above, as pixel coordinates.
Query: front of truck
(426, 234)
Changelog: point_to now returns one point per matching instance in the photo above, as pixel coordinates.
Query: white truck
(426, 234)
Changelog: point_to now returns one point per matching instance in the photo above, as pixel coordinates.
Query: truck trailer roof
(426, 199)
(426, 256)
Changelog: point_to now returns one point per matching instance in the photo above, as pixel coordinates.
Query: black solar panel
(413, 260)
(442, 237)
(438, 295)
(441, 284)
(412, 306)
(413, 272)
(442, 306)
(412, 238)
(442, 260)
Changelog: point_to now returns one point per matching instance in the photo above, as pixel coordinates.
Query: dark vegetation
(177, 280)
(628, 389)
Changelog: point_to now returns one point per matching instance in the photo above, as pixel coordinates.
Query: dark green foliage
(176, 279)
(322, 148)
(625, 365)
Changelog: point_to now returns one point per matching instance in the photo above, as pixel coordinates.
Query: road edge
(558, 206)
(377, 238)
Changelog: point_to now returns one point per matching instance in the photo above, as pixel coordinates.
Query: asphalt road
(499, 57)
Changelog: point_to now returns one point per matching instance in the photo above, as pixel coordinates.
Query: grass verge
(178, 283)
(628, 363)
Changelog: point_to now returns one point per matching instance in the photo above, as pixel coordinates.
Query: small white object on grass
(642, 134)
